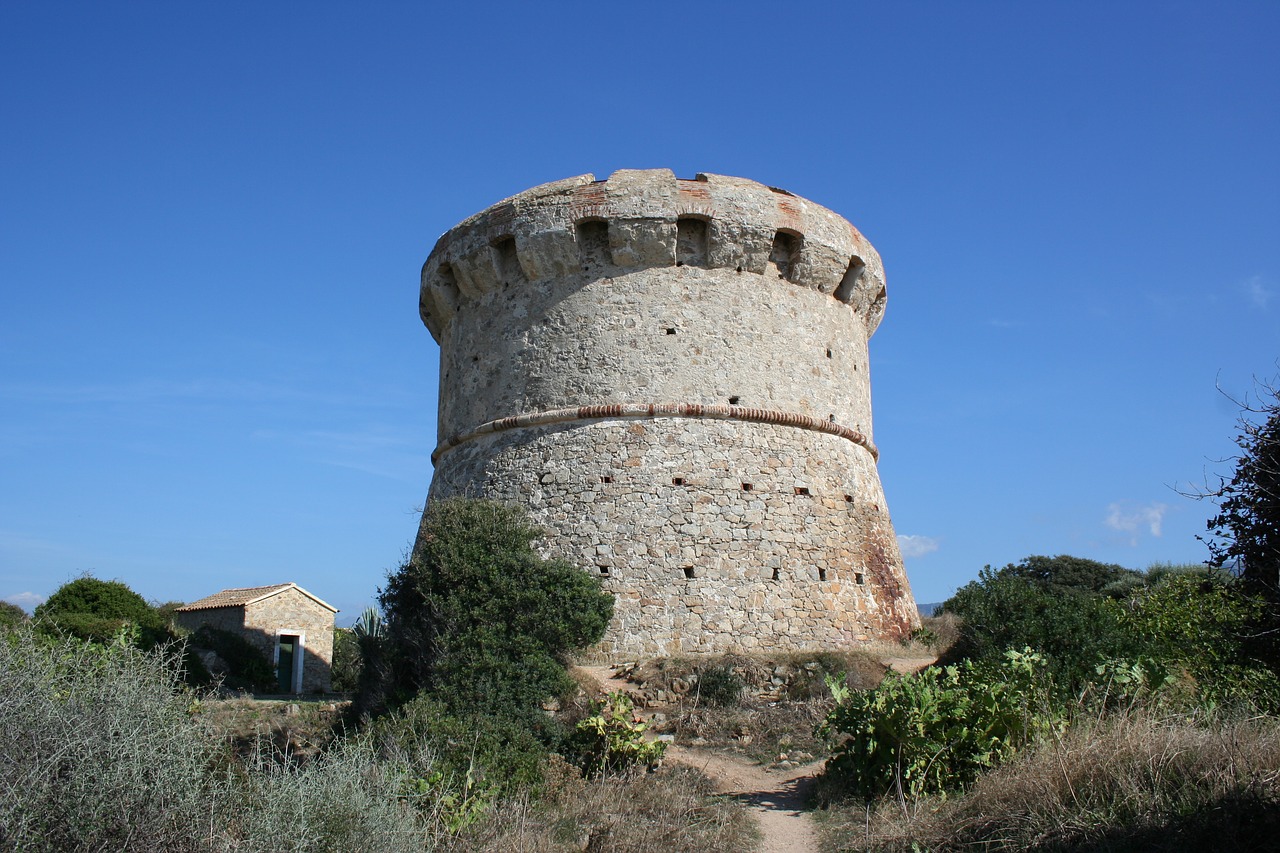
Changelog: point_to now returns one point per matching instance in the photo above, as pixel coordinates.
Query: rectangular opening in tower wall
(689, 572)
(844, 292)
(785, 253)
(593, 243)
(508, 261)
(691, 241)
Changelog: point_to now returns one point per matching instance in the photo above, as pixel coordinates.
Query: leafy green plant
(480, 621)
(11, 615)
(487, 750)
(1201, 623)
(347, 661)
(612, 738)
(936, 730)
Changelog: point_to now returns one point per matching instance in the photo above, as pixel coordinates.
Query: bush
(1137, 780)
(468, 754)
(480, 621)
(11, 615)
(1201, 623)
(104, 749)
(100, 749)
(96, 610)
(936, 730)
(720, 685)
(347, 661)
(1015, 606)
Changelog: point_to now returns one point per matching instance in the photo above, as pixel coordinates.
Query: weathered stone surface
(672, 377)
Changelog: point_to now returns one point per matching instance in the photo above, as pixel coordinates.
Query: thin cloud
(917, 546)
(1257, 293)
(1132, 519)
(26, 600)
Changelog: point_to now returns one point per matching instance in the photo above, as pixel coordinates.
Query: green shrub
(349, 798)
(1070, 623)
(469, 753)
(96, 610)
(720, 685)
(480, 621)
(11, 615)
(347, 661)
(1200, 622)
(1140, 780)
(936, 730)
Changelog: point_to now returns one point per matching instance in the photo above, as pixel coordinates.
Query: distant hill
(928, 609)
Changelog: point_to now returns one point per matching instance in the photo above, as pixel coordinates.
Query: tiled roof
(248, 595)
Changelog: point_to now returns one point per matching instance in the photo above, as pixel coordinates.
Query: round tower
(671, 376)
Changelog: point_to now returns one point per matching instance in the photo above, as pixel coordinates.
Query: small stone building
(292, 627)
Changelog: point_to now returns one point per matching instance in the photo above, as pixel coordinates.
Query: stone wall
(673, 377)
(289, 611)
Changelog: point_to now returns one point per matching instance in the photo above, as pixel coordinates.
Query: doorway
(287, 654)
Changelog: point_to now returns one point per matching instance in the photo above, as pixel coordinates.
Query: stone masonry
(672, 376)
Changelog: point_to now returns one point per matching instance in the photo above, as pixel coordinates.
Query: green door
(284, 665)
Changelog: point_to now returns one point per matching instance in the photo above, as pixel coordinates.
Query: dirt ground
(776, 796)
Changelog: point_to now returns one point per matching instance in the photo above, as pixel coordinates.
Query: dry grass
(246, 725)
(672, 810)
(1133, 781)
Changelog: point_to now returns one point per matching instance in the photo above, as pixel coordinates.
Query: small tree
(480, 620)
(1245, 534)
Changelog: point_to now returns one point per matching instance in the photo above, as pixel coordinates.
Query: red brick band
(613, 411)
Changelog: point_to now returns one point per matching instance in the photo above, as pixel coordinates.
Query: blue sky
(213, 216)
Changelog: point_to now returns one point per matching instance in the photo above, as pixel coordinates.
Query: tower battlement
(672, 377)
(649, 218)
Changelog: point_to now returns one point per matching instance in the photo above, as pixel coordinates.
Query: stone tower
(671, 375)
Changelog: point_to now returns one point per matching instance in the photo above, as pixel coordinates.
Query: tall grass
(1137, 779)
(102, 748)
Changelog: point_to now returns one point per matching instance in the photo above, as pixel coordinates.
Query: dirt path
(776, 797)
